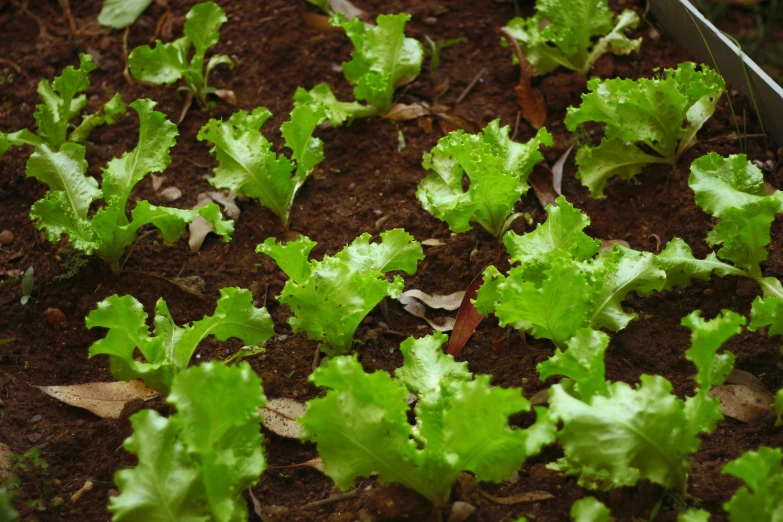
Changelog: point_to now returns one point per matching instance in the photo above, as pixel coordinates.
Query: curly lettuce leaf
(330, 298)
(119, 13)
(168, 351)
(589, 509)
(682, 267)
(497, 168)
(582, 362)
(338, 112)
(578, 32)
(109, 114)
(762, 472)
(18, 139)
(721, 184)
(194, 465)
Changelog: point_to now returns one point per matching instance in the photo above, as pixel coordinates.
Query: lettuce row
(63, 100)
(329, 298)
(195, 464)
(382, 60)
(575, 35)
(168, 351)
(64, 208)
(248, 167)
(646, 121)
(168, 62)
(762, 471)
(361, 425)
(615, 435)
(497, 167)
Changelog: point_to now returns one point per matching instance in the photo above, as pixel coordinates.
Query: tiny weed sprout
(361, 425)
(329, 298)
(646, 121)
(383, 59)
(63, 100)
(497, 168)
(248, 167)
(195, 464)
(762, 472)
(575, 35)
(435, 50)
(65, 207)
(167, 63)
(27, 285)
(167, 352)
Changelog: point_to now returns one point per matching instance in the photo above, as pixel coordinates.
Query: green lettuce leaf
(681, 267)
(762, 472)
(497, 168)
(361, 424)
(338, 112)
(576, 34)
(694, 515)
(582, 362)
(589, 509)
(778, 407)
(168, 351)
(330, 298)
(119, 13)
(194, 465)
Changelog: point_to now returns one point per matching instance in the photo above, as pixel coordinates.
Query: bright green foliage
(361, 424)
(168, 62)
(560, 286)
(64, 208)
(497, 168)
(681, 267)
(119, 13)
(623, 434)
(338, 112)
(330, 298)
(778, 407)
(575, 35)
(693, 515)
(194, 465)
(762, 471)
(590, 509)
(168, 351)
(62, 101)
(582, 362)
(662, 113)
(247, 165)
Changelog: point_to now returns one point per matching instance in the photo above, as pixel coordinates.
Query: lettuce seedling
(382, 60)
(168, 62)
(330, 298)
(762, 472)
(559, 285)
(646, 121)
(168, 351)
(247, 165)
(195, 464)
(614, 435)
(497, 168)
(573, 34)
(361, 425)
(63, 101)
(64, 208)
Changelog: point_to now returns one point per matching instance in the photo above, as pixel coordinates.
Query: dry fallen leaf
(280, 417)
(403, 112)
(557, 171)
(346, 7)
(157, 181)
(417, 309)
(543, 186)
(193, 285)
(104, 399)
(530, 99)
(540, 398)
(432, 242)
(460, 511)
(450, 121)
(528, 496)
(744, 402)
(170, 193)
(444, 302)
(199, 228)
(227, 95)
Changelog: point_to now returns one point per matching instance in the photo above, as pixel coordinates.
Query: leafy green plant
(167, 352)
(382, 60)
(64, 209)
(762, 471)
(561, 283)
(614, 435)
(330, 297)
(646, 121)
(167, 63)
(575, 35)
(497, 168)
(195, 464)
(63, 101)
(119, 13)
(361, 425)
(31, 466)
(589, 509)
(247, 165)
(435, 50)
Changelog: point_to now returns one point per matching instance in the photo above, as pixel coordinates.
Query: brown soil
(364, 178)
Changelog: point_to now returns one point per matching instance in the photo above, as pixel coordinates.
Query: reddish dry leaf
(530, 99)
(450, 121)
(543, 186)
(468, 317)
(319, 22)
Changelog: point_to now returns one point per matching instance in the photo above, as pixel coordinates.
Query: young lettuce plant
(168, 351)
(382, 60)
(330, 298)
(196, 464)
(561, 284)
(361, 425)
(497, 167)
(247, 165)
(575, 35)
(63, 101)
(614, 435)
(646, 121)
(64, 209)
(762, 471)
(167, 63)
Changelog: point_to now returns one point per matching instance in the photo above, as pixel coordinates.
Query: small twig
(331, 500)
(66, 7)
(13, 65)
(471, 85)
(733, 136)
(126, 71)
(317, 358)
(516, 125)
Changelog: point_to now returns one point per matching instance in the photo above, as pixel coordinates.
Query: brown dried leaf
(280, 417)
(193, 285)
(443, 302)
(543, 186)
(104, 399)
(557, 171)
(403, 112)
(742, 377)
(540, 398)
(227, 95)
(530, 99)
(744, 402)
(318, 22)
(528, 496)
(450, 121)
(436, 91)
(417, 309)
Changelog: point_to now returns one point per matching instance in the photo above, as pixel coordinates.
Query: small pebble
(34, 437)
(36, 419)
(6, 237)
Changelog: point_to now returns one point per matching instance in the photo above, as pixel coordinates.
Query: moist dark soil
(365, 184)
